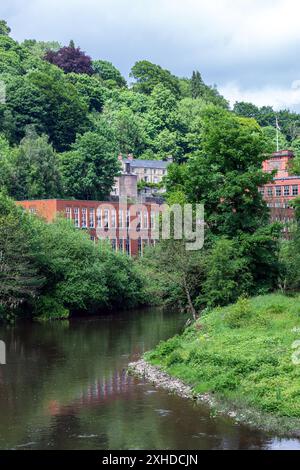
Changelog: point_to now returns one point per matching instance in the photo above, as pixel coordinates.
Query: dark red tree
(71, 59)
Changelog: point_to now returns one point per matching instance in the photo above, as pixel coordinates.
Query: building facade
(129, 227)
(149, 171)
(284, 188)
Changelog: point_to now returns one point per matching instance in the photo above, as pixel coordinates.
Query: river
(65, 387)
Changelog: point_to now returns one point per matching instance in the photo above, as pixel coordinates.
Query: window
(295, 190)
(32, 210)
(128, 246)
(156, 179)
(106, 218)
(153, 219)
(278, 191)
(286, 190)
(146, 179)
(114, 244)
(121, 218)
(121, 245)
(140, 246)
(270, 192)
(146, 220)
(262, 191)
(138, 225)
(93, 239)
(84, 218)
(113, 219)
(128, 219)
(99, 218)
(92, 218)
(76, 217)
(68, 213)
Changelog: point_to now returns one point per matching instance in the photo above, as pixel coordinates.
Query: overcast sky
(249, 48)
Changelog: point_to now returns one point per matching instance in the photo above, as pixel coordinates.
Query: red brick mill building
(115, 221)
(284, 188)
(128, 226)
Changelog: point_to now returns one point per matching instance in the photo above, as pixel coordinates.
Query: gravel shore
(280, 426)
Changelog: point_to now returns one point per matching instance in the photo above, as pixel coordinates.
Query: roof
(156, 164)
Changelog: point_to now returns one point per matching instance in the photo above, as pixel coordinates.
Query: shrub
(239, 313)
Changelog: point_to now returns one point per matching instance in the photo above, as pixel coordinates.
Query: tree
(108, 73)
(226, 174)
(129, 131)
(70, 59)
(89, 169)
(6, 164)
(19, 279)
(197, 85)
(227, 273)
(40, 48)
(47, 101)
(162, 112)
(166, 145)
(89, 88)
(248, 110)
(181, 273)
(12, 56)
(148, 76)
(4, 28)
(36, 172)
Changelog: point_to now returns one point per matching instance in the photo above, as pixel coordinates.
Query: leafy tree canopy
(4, 28)
(89, 169)
(70, 59)
(148, 76)
(108, 73)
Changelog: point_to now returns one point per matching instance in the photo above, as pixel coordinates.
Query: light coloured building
(149, 171)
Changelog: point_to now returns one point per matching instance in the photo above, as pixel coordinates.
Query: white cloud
(253, 42)
(278, 97)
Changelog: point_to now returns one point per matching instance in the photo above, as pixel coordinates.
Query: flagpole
(277, 134)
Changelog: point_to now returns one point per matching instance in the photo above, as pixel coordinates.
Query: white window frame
(92, 218)
(84, 217)
(76, 217)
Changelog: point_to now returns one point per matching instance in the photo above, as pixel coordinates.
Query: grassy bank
(241, 354)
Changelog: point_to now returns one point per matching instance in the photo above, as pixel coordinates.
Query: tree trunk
(188, 295)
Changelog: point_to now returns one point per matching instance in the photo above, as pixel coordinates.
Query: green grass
(241, 353)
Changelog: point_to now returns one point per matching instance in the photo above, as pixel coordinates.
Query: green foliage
(48, 309)
(148, 76)
(11, 56)
(48, 101)
(239, 314)
(270, 135)
(266, 117)
(35, 169)
(227, 274)
(52, 270)
(39, 48)
(241, 353)
(19, 278)
(4, 28)
(226, 174)
(89, 169)
(90, 89)
(110, 75)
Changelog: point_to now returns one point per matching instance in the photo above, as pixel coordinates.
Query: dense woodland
(65, 119)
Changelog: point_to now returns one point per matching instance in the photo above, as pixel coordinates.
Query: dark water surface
(64, 387)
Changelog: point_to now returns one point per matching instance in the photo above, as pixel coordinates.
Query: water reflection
(65, 387)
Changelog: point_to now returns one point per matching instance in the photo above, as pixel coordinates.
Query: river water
(65, 387)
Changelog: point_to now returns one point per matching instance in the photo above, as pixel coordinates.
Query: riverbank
(239, 360)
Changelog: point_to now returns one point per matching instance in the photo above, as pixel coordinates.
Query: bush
(239, 313)
(48, 308)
